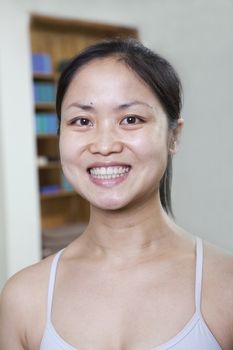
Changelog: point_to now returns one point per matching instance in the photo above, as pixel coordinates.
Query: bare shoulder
(22, 301)
(218, 286)
(219, 262)
(25, 283)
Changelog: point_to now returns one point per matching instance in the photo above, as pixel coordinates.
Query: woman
(133, 280)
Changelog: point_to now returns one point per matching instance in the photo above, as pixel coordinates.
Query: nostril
(106, 147)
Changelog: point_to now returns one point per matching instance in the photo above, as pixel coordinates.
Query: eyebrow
(81, 106)
(89, 107)
(133, 103)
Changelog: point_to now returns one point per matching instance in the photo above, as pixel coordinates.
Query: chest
(136, 310)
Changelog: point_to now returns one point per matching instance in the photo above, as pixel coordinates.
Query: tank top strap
(199, 268)
(52, 279)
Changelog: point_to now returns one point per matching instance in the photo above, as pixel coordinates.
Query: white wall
(19, 201)
(196, 36)
(2, 213)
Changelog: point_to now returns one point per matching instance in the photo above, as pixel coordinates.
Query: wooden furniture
(62, 39)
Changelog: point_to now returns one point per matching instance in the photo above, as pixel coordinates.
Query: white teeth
(109, 172)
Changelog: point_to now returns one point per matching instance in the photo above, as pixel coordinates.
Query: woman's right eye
(81, 122)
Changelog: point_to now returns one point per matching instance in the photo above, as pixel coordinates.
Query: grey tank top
(194, 336)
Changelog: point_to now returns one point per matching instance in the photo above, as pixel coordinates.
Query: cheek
(150, 146)
(69, 149)
(65, 149)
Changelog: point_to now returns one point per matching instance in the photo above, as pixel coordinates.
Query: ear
(175, 136)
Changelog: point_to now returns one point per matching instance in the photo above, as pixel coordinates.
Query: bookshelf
(54, 41)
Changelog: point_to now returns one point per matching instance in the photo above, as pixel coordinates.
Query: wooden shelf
(44, 77)
(62, 39)
(50, 165)
(50, 107)
(80, 27)
(47, 136)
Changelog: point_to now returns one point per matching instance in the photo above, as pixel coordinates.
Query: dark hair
(157, 73)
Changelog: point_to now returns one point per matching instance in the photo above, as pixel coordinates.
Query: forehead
(107, 66)
(109, 77)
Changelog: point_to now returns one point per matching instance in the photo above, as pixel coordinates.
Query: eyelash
(133, 116)
(79, 119)
(136, 118)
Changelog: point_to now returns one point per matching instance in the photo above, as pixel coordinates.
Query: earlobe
(175, 137)
(173, 147)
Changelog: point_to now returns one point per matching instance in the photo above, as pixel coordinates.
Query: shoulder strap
(52, 279)
(199, 268)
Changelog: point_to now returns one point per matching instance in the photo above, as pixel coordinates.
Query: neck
(132, 234)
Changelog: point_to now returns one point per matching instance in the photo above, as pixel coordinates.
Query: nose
(106, 142)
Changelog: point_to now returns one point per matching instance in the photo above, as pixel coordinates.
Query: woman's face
(114, 136)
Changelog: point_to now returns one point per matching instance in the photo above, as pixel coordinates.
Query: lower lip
(108, 182)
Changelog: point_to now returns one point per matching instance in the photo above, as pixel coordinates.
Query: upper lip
(107, 164)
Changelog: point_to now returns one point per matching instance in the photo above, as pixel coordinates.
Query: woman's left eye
(131, 120)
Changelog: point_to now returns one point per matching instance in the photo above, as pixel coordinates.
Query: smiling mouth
(108, 173)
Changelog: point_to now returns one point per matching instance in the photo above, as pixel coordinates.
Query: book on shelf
(46, 123)
(42, 161)
(55, 188)
(44, 92)
(63, 64)
(47, 189)
(41, 63)
(65, 184)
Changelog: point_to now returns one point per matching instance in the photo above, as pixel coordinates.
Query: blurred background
(39, 211)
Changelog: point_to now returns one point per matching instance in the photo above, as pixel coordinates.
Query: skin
(110, 138)
(132, 259)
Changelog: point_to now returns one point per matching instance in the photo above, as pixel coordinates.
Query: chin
(109, 204)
